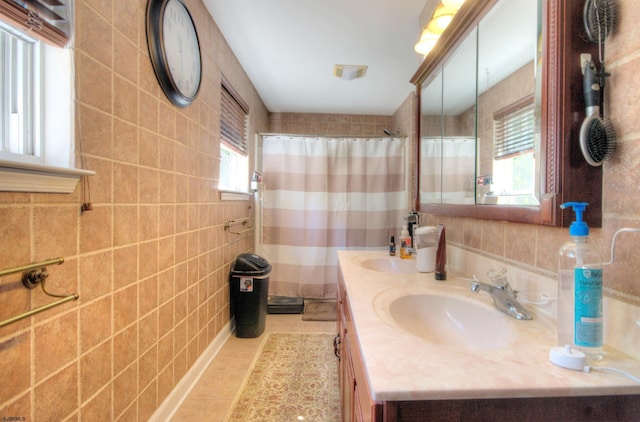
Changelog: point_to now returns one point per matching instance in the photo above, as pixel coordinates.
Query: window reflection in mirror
(508, 128)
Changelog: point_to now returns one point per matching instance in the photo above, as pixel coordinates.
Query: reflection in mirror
(480, 114)
(459, 115)
(508, 113)
(431, 143)
(447, 127)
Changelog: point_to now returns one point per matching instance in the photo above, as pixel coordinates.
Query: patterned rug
(295, 378)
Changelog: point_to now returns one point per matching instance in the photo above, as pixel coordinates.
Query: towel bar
(37, 274)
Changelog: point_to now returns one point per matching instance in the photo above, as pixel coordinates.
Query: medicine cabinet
(501, 60)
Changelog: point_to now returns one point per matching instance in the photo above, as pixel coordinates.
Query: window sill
(27, 177)
(235, 196)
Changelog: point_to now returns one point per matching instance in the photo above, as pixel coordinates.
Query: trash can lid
(250, 264)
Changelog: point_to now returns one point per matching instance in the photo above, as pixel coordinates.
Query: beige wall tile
(125, 390)
(95, 131)
(125, 348)
(95, 323)
(125, 307)
(57, 396)
(125, 141)
(59, 238)
(15, 361)
(96, 229)
(99, 407)
(95, 370)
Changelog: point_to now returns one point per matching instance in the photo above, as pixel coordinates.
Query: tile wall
(151, 261)
(329, 124)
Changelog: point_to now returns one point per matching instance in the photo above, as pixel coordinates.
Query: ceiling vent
(349, 72)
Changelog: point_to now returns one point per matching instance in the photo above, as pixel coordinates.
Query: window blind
(514, 129)
(233, 119)
(47, 19)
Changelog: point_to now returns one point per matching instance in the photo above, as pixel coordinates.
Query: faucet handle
(498, 276)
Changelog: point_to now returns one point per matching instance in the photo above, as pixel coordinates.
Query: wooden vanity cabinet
(357, 404)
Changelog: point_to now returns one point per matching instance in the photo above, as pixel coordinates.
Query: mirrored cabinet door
(459, 120)
(432, 130)
(508, 131)
(505, 77)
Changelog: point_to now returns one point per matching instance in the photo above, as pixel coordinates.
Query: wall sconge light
(453, 4)
(426, 43)
(442, 17)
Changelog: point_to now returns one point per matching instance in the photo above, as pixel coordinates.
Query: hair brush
(597, 134)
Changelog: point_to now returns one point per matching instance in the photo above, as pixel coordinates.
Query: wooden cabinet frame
(565, 174)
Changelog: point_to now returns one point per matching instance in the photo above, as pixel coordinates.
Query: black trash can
(249, 285)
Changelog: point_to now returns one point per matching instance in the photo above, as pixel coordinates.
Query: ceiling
(288, 48)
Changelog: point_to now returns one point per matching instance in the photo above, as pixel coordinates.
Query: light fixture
(349, 72)
(442, 17)
(453, 4)
(426, 43)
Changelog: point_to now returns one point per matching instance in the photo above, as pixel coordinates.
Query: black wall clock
(174, 49)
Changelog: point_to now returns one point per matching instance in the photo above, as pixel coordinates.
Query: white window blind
(514, 129)
(233, 119)
(46, 19)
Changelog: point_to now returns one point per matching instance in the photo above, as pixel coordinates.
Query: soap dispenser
(405, 244)
(580, 290)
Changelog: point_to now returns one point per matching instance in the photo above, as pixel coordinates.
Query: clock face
(174, 50)
(181, 48)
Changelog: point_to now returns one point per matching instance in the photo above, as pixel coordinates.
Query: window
(20, 95)
(514, 129)
(234, 162)
(514, 146)
(36, 97)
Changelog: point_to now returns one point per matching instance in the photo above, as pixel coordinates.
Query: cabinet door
(345, 370)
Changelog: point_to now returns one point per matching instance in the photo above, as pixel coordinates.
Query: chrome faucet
(503, 296)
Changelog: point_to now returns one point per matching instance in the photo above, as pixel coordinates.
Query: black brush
(597, 134)
(599, 19)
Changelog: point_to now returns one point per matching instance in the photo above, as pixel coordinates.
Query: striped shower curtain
(447, 170)
(321, 195)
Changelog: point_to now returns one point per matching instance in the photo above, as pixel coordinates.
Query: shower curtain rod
(328, 136)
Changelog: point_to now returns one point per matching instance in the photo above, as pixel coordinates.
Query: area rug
(294, 377)
(319, 311)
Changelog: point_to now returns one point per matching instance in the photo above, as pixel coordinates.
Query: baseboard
(180, 392)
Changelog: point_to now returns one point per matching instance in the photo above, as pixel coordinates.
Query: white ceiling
(288, 49)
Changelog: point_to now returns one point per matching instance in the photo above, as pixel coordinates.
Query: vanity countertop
(401, 366)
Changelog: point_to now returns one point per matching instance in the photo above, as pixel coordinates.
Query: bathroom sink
(453, 321)
(389, 265)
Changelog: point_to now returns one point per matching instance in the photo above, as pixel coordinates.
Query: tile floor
(213, 395)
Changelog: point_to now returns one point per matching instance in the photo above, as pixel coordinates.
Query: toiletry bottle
(405, 243)
(392, 246)
(580, 290)
(440, 272)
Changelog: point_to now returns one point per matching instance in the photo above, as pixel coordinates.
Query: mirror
(508, 130)
(508, 85)
(448, 142)
(479, 135)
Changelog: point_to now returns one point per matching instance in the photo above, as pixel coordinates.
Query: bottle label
(588, 312)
